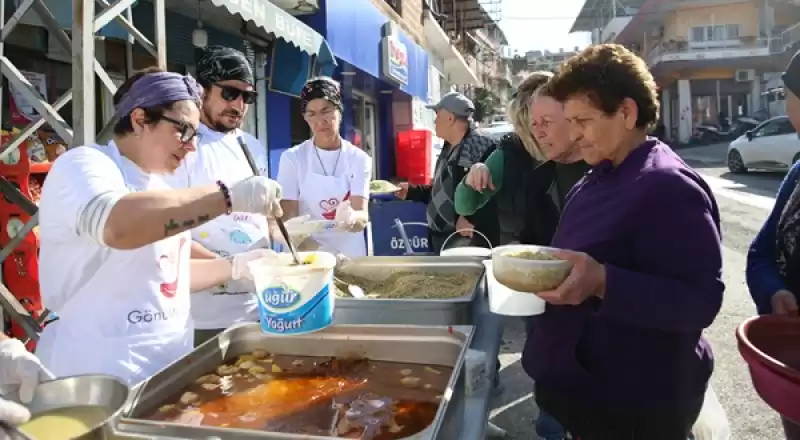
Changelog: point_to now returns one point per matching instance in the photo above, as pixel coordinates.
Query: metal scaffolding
(88, 20)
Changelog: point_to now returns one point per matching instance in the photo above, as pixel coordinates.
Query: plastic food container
(504, 301)
(771, 347)
(293, 299)
(466, 251)
(529, 276)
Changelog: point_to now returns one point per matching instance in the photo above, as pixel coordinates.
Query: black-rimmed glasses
(230, 93)
(186, 131)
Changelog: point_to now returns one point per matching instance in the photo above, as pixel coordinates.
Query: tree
(484, 105)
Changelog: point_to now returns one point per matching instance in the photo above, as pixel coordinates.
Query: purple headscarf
(156, 89)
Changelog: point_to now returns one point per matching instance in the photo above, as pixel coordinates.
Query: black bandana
(220, 63)
(321, 88)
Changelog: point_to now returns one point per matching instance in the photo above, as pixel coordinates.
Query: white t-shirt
(67, 260)
(360, 166)
(219, 157)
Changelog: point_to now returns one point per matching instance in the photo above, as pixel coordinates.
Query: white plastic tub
(504, 301)
(531, 276)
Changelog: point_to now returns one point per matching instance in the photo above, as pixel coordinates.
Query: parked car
(773, 145)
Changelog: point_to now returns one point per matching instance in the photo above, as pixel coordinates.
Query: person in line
(115, 238)
(464, 145)
(618, 352)
(327, 177)
(228, 84)
(773, 261)
(524, 183)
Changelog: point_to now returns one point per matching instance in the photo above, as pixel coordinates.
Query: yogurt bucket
(293, 300)
(508, 302)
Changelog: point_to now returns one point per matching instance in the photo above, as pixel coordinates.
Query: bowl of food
(528, 268)
(76, 407)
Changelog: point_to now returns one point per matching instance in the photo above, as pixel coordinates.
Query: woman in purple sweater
(618, 353)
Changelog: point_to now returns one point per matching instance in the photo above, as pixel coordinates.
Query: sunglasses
(187, 132)
(229, 93)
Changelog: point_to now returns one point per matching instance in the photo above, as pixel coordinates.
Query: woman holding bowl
(619, 352)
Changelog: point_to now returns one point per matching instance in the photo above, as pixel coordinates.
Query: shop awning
(278, 22)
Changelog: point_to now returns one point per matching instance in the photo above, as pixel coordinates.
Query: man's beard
(219, 126)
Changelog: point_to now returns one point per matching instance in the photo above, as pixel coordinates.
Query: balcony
(397, 5)
(787, 40)
(669, 51)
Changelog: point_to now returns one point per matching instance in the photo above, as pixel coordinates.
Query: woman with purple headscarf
(115, 240)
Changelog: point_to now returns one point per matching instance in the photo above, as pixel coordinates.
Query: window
(713, 33)
(774, 127)
(397, 5)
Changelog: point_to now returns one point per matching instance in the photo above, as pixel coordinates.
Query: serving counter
(466, 416)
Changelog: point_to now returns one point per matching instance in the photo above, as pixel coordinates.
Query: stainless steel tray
(454, 311)
(414, 344)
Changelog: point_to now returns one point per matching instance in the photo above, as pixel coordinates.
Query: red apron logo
(329, 206)
(171, 270)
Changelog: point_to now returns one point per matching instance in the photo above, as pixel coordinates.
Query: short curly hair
(608, 74)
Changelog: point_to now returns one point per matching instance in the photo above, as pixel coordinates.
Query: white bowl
(529, 276)
(504, 301)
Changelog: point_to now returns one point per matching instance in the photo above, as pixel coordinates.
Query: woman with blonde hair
(516, 194)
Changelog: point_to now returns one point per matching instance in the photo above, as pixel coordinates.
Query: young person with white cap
(115, 240)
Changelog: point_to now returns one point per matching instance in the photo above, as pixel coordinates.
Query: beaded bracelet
(226, 193)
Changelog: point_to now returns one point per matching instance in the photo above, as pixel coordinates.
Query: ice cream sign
(394, 55)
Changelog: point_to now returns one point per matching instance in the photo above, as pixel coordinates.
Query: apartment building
(712, 59)
(547, 60)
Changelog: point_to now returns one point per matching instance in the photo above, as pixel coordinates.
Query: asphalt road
(744, 202)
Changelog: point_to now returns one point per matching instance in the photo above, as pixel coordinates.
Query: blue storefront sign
(386, 238)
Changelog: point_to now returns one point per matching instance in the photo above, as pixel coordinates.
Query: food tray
(414, 344)
(451, 311)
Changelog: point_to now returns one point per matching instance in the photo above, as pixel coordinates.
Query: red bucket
(771, 347)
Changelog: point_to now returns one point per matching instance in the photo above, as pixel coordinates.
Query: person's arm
(200, 252)
(359, 187)
(209, 273)
(763, 276)
(87, 189)
(468, 200)
(289, 180)
(677, 248)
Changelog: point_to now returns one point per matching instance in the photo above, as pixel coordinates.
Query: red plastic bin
(413, 156)
(771, 347)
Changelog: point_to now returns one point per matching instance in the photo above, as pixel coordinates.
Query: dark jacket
(763, 276)
(527, 207)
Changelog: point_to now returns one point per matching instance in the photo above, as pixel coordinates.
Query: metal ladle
(278, 220)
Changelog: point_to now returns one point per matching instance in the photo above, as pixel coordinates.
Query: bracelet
(226, 193)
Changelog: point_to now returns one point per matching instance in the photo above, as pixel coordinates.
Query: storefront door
(366, 122)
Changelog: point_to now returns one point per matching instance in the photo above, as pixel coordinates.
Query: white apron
(320, 195)
(131, 319)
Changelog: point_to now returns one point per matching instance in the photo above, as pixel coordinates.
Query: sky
(538, 28)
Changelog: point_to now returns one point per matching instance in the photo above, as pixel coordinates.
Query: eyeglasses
(186, 131)
(229, 93)
(328, 113)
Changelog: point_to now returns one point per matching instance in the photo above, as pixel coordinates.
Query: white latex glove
(350, 219)
(20, 370)
(13, 412)
(239, 264)
(257, 195)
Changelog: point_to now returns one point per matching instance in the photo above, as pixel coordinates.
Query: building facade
(713, 60)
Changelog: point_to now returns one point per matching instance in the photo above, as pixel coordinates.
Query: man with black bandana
(227, 78)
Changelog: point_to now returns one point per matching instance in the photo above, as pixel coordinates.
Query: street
(744, 202)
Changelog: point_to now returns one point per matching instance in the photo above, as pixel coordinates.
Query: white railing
(789, 36)
(682, 50)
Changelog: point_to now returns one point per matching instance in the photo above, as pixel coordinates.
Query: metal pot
(88, 390)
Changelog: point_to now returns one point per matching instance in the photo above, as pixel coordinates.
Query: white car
(774, 146)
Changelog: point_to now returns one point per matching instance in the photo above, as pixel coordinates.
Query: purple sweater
(654, 223)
